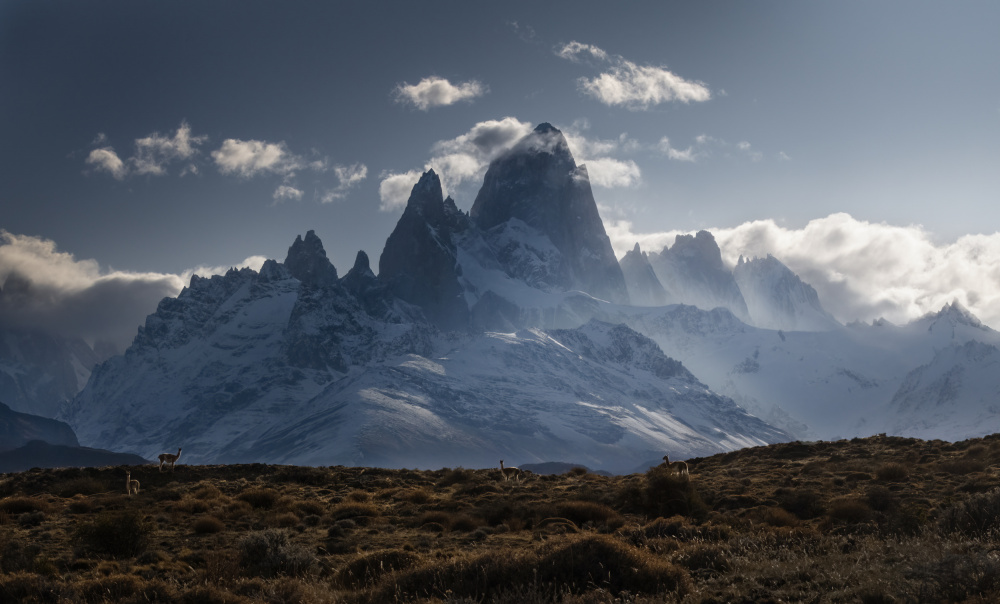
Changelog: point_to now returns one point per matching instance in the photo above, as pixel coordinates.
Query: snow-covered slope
(827, 384)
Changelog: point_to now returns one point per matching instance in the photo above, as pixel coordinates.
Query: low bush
(112, 588)
(581, 512)
(849, 510)
(593, 561)
(368, 569)
(259, 498)
(892, 472)
(116, 534)
(28, 587)
(977, 515)
(269, 553)
(22, 505)
(208, 524)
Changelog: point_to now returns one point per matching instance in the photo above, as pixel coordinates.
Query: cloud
(603, 170)
(394, 189)
(54, 292)
(456, 160)
(252, 157)
(688, 154)
(152, 155)
(611, 173)
(437, 92)
(348, 178)
(466, 158)
(573, 50)
(154, 152)
(706, 146)
(864, 270)
(285, 193)
(631, 85)
(106, 159)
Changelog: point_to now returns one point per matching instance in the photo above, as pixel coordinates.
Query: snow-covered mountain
(692, 272)
(838, 383)
(40, 372)
(507, 332)
(644, 287)
(777, 298)
(290, 368)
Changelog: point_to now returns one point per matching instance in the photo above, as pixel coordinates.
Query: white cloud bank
(863, 270)
(437, 92)
(631, 85)
(52, 291)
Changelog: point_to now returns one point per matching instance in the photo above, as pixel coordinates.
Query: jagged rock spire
(538, 183)
(307, 261)
(418, 263)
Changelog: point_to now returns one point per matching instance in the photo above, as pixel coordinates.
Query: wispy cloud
(455, 160)
(105, 159)
(863, 270)
(348, 177)
(54, 292)
(287, 193)
(631, 85)
(251, 158)
(153, 154)
(437, 92)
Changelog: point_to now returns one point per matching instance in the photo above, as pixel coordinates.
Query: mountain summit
(537, 184)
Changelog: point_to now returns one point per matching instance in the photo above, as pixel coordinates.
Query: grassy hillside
(873, 520)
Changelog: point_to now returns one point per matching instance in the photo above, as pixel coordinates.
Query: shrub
(15, 556)
(207, 492)
(977, 515)
(850, 510)
(368, 569)
(81, 486)
(80, 506)
(581, 512)
(892, 472)
(23, 505)
(667, 494)
(260, 498)
(28, 587)
(804, 503)
(961, 467)
(208, 524)
(594, 561)
(112, 588)
(705, 557)
(456, 476)
(116, 534)
(268, 553)
(354, 510)
(779, 517)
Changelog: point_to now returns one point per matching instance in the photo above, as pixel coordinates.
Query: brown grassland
(873, 520)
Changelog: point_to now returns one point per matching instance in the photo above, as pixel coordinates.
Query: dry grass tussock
(867, 520)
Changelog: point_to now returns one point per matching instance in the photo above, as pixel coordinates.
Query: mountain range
(512, 331)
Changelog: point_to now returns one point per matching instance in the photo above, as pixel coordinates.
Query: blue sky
(143, 140)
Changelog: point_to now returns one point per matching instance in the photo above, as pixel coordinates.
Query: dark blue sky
(296, 116)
